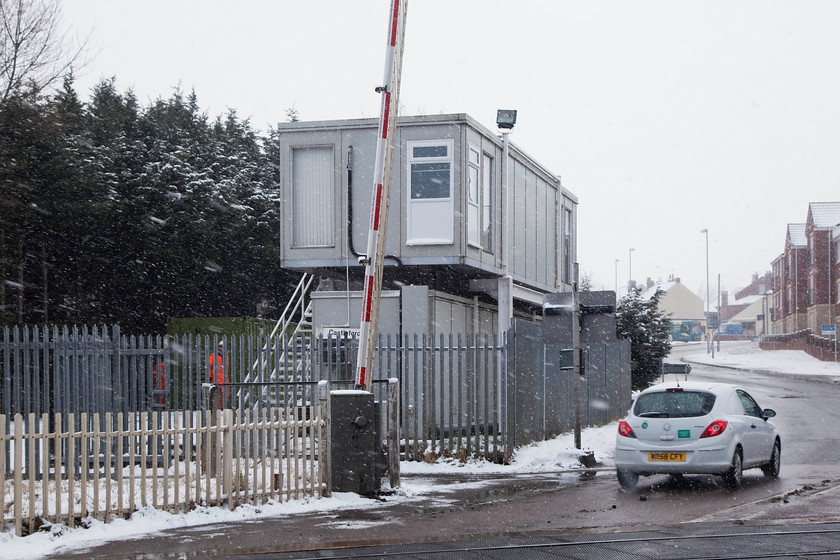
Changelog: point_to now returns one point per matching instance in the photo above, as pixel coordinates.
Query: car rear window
(674, 404)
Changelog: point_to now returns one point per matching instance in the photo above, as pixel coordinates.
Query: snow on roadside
(147, 521)
(747, 355)
(553, 455)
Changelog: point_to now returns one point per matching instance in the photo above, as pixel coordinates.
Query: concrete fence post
(211, 400)
(227, 455)
(394, 431)
(325, 433)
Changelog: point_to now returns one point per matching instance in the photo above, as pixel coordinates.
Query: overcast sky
(663, 117)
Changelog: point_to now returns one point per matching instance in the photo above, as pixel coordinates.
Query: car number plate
(678, 457)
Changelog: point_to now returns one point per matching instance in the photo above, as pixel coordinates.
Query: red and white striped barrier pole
(381, 194)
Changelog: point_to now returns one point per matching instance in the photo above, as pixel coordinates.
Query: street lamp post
(505, 120)
(616, 278)
(718, 310)
(708, 339)
(630, 270)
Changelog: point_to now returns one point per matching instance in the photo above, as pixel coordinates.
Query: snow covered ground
(747, 355)
(556, 455)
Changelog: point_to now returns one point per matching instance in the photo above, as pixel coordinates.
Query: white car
(696, 428)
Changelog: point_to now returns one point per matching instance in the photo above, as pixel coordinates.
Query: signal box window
(430, 219)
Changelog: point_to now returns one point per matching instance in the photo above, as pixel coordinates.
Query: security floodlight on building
(506, 118)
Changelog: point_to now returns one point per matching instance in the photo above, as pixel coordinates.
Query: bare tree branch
(34, 50)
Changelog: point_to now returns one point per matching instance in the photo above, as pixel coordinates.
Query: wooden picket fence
(114, 464)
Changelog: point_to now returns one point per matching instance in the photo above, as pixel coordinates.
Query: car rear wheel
(772, 468)
(735, 475)
(627, 479)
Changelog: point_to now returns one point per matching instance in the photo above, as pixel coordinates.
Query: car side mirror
(768, 413)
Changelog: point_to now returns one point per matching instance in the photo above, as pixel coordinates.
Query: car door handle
(753, 426)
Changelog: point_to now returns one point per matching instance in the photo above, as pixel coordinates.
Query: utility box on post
(356, 447)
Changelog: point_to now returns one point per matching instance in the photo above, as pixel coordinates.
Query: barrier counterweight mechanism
(357, 459)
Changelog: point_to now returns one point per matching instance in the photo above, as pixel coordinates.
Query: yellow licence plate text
(666, 456)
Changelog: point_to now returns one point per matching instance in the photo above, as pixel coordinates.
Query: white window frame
(473, 196)
(566, 250)
(430, 221)
(313, 196)
(486, 210)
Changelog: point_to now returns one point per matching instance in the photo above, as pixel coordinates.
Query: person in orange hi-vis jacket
(217, 368)
(159, 382)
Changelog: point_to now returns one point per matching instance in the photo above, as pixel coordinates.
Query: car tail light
(625, 430)
(714, 429)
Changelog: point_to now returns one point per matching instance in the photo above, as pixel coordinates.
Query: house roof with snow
(747, 300)
(749, 313)
(664, 286)
(678, 302)
(824, 214)
(796, 235)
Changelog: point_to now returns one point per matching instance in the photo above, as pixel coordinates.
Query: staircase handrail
(295, 302)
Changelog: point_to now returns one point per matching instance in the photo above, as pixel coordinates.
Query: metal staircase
(285, 356)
